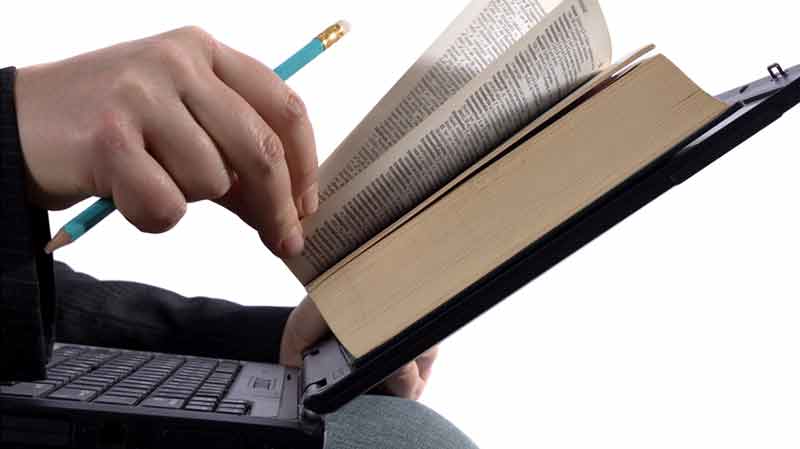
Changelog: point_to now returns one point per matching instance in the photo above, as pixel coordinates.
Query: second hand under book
(95, 213)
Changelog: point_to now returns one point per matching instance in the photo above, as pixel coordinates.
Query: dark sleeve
(26, 274)
(136, 316)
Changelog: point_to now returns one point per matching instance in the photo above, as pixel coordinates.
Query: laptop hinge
(323, 366)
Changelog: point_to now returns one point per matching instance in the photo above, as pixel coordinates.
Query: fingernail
(293, 244)
(310, 201)
(295, 105)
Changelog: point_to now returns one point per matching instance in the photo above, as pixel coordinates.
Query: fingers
(409, 381)
(406, 382)
(142, 191)
(425, 363)
(184, 149)
(304, 328)
(283, 110)
(257, 156)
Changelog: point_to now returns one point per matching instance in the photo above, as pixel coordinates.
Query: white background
(679, 328)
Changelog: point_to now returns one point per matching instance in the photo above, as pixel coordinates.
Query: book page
(475, 39)
(552, 59)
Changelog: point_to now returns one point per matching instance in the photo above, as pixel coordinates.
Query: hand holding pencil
(157, 123)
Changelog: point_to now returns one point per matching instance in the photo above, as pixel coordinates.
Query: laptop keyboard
(136, 379)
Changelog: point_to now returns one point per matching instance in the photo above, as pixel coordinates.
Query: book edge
(598, 81)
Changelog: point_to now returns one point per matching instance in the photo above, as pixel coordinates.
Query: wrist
(46, 142)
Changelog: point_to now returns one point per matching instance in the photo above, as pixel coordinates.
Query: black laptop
(115, 398)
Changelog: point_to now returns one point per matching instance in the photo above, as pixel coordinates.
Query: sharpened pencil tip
(61, 240)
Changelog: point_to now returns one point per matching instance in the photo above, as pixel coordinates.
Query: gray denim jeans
(382, 422)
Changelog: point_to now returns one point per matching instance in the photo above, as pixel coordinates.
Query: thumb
(304, 328)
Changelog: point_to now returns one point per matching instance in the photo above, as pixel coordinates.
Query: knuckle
(200, 37)
(172, 55)
(112, 135)
(195, 32)
(130, 88)
(270, 151)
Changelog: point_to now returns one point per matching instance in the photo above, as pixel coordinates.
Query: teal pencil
(95, 213)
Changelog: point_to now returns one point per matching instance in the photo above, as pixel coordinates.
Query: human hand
(166, 120)
(306, 327)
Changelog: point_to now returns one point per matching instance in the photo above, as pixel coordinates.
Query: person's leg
(383, 422)
(141, 317)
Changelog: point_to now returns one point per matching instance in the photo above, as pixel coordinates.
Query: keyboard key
(182, 385)
(137, 384)
(105, 375)
(208, 394)
(68, 351)
(99, 378)
(159, 402)
(73, 394)
(131, 388)
(26, 389)
(228, 367)
(66, 371)
(172, 394)
(213, 393)
(200, 407)
(178, 387)
(160, 373)
(207, 364)
(113, 370)
(86, 364)
(93, 383)
(204, 399)
(76, 365)
(62, 379)
(117, 400)
(231, 410)
(128, 392)
(147, 375)
(234, 402)
(82, 386)
(188, 378)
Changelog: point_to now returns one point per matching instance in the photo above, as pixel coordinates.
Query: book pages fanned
(501, 64)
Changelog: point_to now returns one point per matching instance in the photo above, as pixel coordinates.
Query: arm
(26, 279)
(117, 314)
(153, 124)
(142, 317)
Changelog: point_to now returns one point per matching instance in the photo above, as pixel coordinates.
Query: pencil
(95, 213)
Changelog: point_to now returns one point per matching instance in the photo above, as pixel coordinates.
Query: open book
(413, 207)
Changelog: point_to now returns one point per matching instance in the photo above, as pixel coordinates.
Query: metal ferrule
(331, 35)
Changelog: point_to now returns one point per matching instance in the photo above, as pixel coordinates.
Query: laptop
(117, 398)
